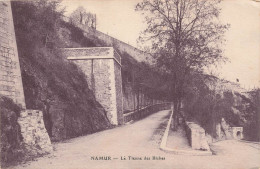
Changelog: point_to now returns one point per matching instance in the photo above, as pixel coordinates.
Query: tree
(80, 15)
(42, 19)
(49, 17)
(186, 36)
(252, 129)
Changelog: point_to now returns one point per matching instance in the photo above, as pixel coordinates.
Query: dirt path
(138, 140)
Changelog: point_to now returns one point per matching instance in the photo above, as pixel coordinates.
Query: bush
(207, 107)
(11, 138)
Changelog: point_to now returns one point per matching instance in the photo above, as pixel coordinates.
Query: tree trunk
(175, 115)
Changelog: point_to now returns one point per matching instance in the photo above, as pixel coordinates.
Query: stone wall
(102, 67)
(130, 98)
(196, 136)
(237, 133)
(33, 131)
(58, 126)
(110, 41)
(119, 92)
(31, 122)
(105, 90)
(10, 73)
(137, 98)
(225, 132)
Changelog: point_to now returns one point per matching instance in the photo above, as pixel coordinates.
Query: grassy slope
(52, 84)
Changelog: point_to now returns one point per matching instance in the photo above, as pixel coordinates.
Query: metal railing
(145, 111)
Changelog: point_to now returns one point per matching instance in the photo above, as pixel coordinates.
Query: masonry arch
(239, 135)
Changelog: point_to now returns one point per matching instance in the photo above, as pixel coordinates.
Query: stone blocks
(10, 73)
(237, 133)
(102, 67)
(196, 136)
(225, 132)
(33, 131)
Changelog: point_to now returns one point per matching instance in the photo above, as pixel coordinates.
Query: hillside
(60, 90)
(11, 138)
(52, 84)
(134, 61)
(58, 87)
(210, 101)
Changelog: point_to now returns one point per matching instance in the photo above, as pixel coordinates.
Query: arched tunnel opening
(239, 135)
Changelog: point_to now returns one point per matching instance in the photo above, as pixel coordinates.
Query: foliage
(77, 36)
(40, 19)
(183, 32)
(80, 15)
(51, 83)
(11, 149)
(252, 127)
(207, 106)
(143, 77)
(186, 36)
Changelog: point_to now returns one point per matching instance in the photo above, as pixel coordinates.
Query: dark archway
(239, 135)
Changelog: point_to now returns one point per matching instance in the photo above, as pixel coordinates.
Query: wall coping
(110, 55)
(194, 126)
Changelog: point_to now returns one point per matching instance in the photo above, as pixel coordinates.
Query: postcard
(130, 84)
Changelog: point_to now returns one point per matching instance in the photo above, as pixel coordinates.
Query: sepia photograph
(130, 84)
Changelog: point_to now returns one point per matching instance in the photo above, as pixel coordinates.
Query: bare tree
(186, 36)
(91, 20)
(80, 15)
(77, 15)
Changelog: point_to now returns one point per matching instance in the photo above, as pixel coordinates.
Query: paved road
(138, 140)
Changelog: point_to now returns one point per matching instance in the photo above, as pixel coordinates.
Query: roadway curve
(141, 139)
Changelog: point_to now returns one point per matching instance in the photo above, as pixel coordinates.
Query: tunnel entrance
(239, 135)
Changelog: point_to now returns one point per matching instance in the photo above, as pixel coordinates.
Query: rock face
(224, 131)
(226, 128)
(68, 120)
(33, 133)
(52, 84)
(196, 136)
(35, 136)
(11, 138)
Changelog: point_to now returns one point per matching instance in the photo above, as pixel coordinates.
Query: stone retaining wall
(237, 133)
(196, 136)
(225, 132)
(102, 67)
(10, 73)
(35, 136)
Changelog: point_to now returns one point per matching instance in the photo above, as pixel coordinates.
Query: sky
(119, 19)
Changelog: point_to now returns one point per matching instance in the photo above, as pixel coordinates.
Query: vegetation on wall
(141, 76)
(80, 15)
(184, 36)
(77, 35)
(51, 83)
(11, 138)
(252, 110)
(208, 106)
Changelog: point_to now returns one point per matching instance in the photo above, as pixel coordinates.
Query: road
(140, 139)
